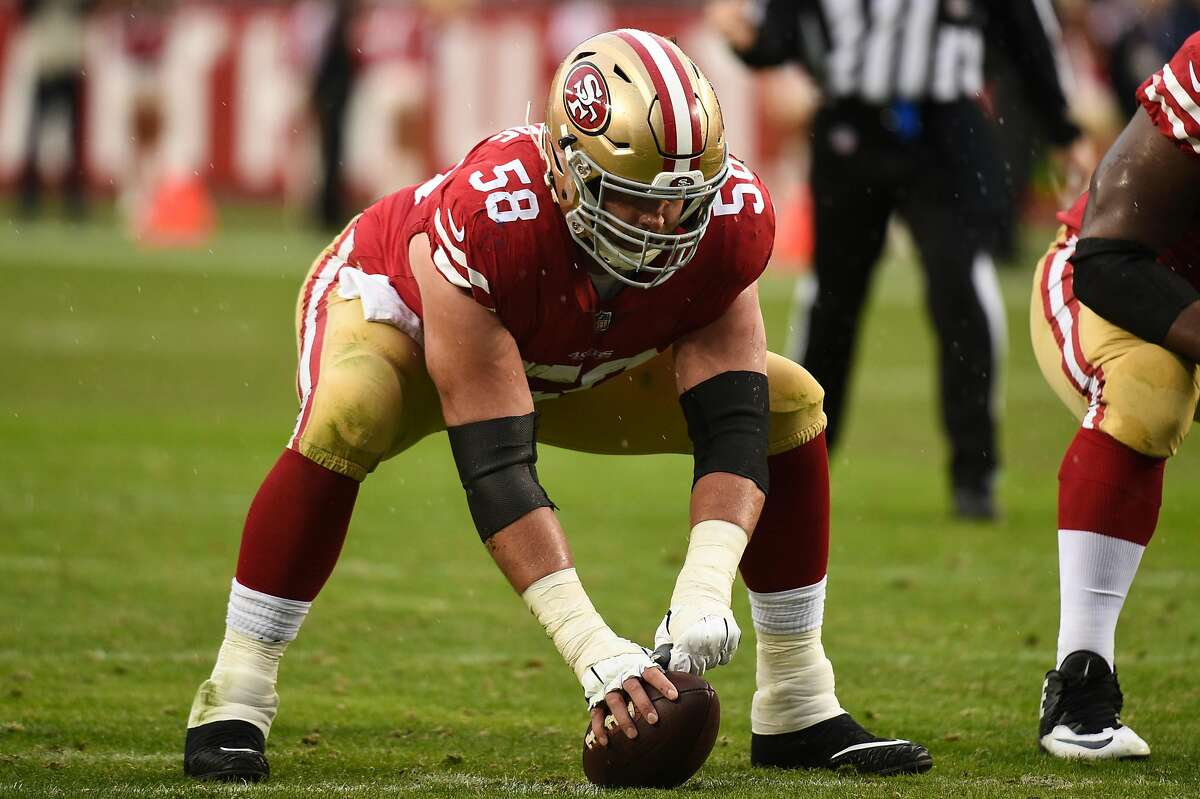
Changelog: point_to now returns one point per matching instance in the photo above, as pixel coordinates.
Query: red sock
(295, 528)
(790, 545)
(1107, 488)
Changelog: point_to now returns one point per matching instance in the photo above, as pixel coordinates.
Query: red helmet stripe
(659, 78)
(692, 101)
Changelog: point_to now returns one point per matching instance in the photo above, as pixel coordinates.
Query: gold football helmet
(630, 114)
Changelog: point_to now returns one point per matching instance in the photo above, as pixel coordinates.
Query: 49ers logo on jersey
(585, 95)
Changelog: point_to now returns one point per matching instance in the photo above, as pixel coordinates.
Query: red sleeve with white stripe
(458, 254)
(1171, 97)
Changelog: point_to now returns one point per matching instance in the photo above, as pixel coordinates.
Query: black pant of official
(933, 164)
(64, 90)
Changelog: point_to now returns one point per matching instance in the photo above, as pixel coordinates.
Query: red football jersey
(1171, 98)
(496, 231)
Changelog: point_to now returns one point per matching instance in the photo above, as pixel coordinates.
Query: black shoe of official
(975, 503)
(1081, 712)
(226, 751)
(837, 743)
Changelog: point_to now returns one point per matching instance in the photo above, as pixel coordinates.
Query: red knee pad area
(1107, 488)
(295, 528)
(790, 545)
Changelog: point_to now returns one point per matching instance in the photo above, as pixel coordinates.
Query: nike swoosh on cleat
(1192, 70)
(1086, 744)
(868, 745)
(227, 749)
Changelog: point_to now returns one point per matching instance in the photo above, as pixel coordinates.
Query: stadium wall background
(230, 84)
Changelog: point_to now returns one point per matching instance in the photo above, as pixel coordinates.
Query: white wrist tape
(579, 633)
(714, 552)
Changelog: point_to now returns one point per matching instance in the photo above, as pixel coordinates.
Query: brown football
(663, 755)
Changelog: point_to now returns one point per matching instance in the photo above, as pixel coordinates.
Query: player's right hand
(613, 686)
(701, 636)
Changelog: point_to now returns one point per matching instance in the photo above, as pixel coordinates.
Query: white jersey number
(737, 198)
(507, 206)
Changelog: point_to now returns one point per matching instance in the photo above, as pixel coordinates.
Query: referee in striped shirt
(900, 131)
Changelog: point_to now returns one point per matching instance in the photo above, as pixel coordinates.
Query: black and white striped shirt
(881, 51)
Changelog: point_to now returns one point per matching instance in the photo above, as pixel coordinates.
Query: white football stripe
(458, 255)
(679, 95)
(320, 289)
(1177, 128)
(1089, 420)
(447, 269)
(1062, 316)
(1185, 102)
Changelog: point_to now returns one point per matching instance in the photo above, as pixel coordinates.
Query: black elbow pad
(727, 419)
(496, 462)
(1123, 282)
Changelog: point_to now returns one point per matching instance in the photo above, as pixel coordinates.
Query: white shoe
(1081, 712)
(1109, 743)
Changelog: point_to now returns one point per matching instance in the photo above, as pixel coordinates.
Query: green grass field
(146, 393)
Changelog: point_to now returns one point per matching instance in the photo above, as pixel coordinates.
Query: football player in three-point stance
(1116, 328)
(589, 283)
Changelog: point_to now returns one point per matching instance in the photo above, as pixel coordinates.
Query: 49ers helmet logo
(585, 96)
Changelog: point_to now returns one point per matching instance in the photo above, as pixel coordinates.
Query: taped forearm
(569, 618)
(1124, 283)
(714, 551)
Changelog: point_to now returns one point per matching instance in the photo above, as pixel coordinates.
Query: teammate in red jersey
(588, 282)
(1116, 327)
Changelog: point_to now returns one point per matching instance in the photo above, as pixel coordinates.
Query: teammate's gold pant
(1139, 393)
(369, 396)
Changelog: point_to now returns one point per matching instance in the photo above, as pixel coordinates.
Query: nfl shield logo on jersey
(603, 320)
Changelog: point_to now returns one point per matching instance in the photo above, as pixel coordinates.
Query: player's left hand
(701, 637)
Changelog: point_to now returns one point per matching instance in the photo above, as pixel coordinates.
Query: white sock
(242, 686)
(262, 616)
(795, 686)
(797, 610)
(1094, 575)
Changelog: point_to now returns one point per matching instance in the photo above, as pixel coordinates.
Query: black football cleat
(226, 751)
(839, 743)
(1081, 712)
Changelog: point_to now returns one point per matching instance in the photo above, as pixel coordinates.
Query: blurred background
(168, 111)
(168, 171)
